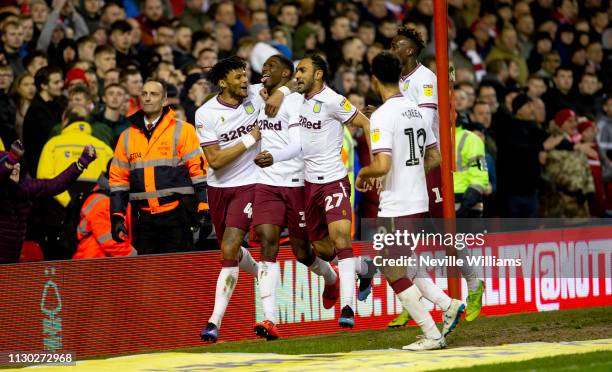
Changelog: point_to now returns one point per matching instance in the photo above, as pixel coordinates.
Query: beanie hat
(584, 125)
(75, 74)
(520, 101)
(562, 116)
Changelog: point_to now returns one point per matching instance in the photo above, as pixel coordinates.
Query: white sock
(247, 263)
(269, 273)
(346, 268)
(226, 282)
(432, 292)
(361, 266)
(324, 269)
(410, 301)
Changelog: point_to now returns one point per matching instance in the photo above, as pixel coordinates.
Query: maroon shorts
(231, 207)
(434, 190)
(280, 206)
(326, 203)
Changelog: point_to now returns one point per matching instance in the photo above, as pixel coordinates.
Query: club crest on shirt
(376, 135)
(67, 154)
(406, 85)
(346, 105)
(317, 107)
(428, 90)
(222, 120)
(249, 108)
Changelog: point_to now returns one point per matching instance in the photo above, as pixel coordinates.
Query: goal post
(446, 140)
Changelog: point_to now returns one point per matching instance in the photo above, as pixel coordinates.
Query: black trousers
(164, 232)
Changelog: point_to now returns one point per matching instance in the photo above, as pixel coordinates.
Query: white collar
(154, 122)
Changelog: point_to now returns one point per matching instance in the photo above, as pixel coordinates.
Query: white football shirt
(397, 128)
(322, 116)
(220, 123)
(275, 136)
(420, 85)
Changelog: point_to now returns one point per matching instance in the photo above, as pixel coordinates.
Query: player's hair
(286, 62)
(414, 35)
(223, 67)
(387, 68)
(43, 75)
(319, 64)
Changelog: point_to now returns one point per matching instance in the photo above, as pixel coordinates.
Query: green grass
(592, 362)
(566, 325)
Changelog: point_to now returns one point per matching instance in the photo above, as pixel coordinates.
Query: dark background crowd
(73, 70)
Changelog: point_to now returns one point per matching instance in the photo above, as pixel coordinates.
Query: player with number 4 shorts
(279, 197)
(226, 126)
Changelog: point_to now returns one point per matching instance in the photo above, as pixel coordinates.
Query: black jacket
(519, 143)
(7, 120)
(38, 122)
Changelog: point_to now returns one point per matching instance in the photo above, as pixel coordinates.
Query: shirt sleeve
(381, 134)
(205, 128)
(427, 92)
(254, 95)
(342, 110)
(430, 138)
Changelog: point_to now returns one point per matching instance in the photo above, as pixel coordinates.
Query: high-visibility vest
(66, 148)
(94, 230)
(471, 162)
(155, 173)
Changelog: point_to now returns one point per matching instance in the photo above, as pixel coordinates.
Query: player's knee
(304, 255)
(324, 251)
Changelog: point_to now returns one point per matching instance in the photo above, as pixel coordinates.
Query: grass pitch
(565, 325)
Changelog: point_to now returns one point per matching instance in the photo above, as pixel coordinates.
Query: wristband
(286, 91)
(248, 141)
(79, 166)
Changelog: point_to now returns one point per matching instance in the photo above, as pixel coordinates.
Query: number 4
(248, 210)
(329, 198)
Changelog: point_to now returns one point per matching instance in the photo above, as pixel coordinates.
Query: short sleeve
(381, 134)
(427, 93)
(205, 128)
(294, 103)
(430, 138)
(254, 95)
(342, 110)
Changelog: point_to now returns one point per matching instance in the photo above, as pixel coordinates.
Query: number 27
(329, 199)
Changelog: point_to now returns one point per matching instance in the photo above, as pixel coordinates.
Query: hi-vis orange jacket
(155, 172)
(94, 230)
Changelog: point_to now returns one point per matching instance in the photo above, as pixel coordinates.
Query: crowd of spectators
(532, 78)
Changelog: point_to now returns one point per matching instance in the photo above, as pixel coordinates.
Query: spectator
(469, 90)
(18, 195)
(224, 41)
(224, 13)
(131, 79)
(91, 11)
(63, 15)
(23, 93)
(105, 59)
(542, 44)
(86, 48)
(604, 140)
(8, 111)
(194, 93)
(339, 30)
(193, 16)
(536, 86)
(588, 132)
(112, 115)
(44, 112)
(59, 151)
(550, 64)
(561, 96)
(481, 113)
(35, 61)
(94, 231)
(304, 41)
(520, 145)
(12, 40)
(289, 16)
(367, 33)
(152, 15)
(111, 12)
(497, 76)
(120, 36)
(507, 48)
(588, 99)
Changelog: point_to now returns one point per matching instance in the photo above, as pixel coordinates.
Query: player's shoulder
(294, 99)
(422, 72)
(328, 95)
(210, 105)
